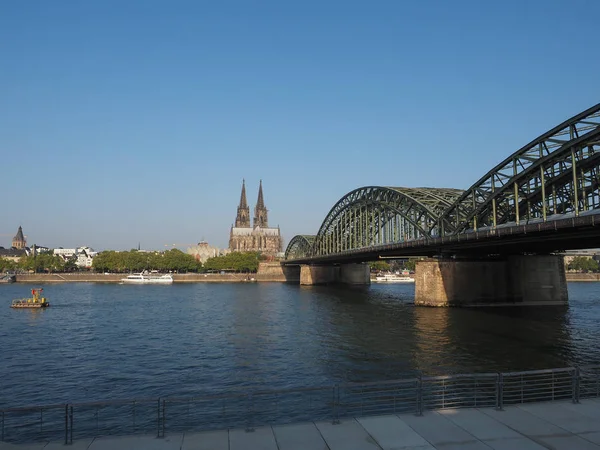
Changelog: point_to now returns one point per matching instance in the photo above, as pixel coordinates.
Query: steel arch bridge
(554, 177)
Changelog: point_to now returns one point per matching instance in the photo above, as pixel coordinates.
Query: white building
(83, 256)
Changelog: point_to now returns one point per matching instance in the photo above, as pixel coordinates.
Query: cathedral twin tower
(260, 238)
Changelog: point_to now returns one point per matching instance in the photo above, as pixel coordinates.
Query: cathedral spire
(243, 202)
(260, 211)
(260, 203)
(243, 212)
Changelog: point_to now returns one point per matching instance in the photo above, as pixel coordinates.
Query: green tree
(236, 261)
(7, 264)
(379, 266)
(410, 264)
(42, 262)
(583, 264)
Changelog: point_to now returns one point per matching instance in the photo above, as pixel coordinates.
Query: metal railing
(271, 407)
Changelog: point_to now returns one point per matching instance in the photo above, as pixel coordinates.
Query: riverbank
(583, 276)
(177, 278)
(270, 276)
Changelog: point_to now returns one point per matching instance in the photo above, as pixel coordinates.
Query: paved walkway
(559, 425)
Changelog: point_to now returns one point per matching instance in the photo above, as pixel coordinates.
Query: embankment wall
(116, 278)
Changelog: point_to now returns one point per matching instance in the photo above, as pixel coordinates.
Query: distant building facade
(203, 251)
(12, 254)
(19, 241)
(244, 237)
(83, 256)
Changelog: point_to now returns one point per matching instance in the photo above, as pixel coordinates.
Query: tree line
(135, 261)
(393, 265)
(583, 264)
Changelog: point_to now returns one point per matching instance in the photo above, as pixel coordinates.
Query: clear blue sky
(135, 121)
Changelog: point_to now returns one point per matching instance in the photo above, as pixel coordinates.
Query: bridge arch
(555, 174)
(299, 247)
(375, 215)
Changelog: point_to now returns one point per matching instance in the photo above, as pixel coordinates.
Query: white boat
(393, 278)
(143, 278)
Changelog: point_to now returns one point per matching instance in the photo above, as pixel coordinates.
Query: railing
(270, 407)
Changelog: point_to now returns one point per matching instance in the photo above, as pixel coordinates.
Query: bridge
(492, 243)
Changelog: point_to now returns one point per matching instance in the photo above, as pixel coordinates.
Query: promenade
(532, 426)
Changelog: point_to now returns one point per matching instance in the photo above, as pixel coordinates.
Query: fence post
(335, 405)
(66, 424)
(164, 416)
(500, 392)
(576, 382)
(419, 399)
(158, 418)
(250, 414)
(71, 424)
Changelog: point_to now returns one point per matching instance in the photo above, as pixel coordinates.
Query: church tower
(243, 212)
(19, 240)
(260, 211)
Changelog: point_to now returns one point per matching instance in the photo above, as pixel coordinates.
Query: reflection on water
(102, 341)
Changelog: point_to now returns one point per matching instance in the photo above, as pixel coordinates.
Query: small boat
(8, 278)
(393, 278)
(143, 278)
(35, 301)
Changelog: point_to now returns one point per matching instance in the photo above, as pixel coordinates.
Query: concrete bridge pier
(516, 279)
(354, 274)
(312, 274)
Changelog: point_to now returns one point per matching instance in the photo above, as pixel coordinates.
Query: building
(258, 237)
(203, 251)
(12, 254)
(82, 256)
(19, 241)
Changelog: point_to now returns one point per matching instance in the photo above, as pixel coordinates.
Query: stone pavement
(558, 425)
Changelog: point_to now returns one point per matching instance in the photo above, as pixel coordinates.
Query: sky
(135, 122)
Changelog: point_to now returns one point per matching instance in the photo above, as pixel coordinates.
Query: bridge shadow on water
(385, 336)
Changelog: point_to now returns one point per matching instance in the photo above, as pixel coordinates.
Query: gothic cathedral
(258, 238)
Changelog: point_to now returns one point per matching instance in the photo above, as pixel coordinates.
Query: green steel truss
(554, 176)
(375, 215)
(299, 247)
(557, 173)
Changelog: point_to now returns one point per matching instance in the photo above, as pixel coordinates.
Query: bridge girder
(299, 247)
(556, 176)
(545, 177)
(375, 215)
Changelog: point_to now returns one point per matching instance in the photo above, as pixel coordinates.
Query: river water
(109, 341)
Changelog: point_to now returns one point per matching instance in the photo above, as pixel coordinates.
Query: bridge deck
(556, 425)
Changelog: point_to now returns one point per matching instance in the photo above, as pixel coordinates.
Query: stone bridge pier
(512, 280)
(352, 274)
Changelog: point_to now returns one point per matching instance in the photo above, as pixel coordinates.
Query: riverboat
(143, 278)
(35, 301)
(393, 278)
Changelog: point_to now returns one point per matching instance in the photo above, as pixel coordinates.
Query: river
(109, 341)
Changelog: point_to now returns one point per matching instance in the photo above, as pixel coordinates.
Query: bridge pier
(355, 274)
(516, 279)
(311, 275)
